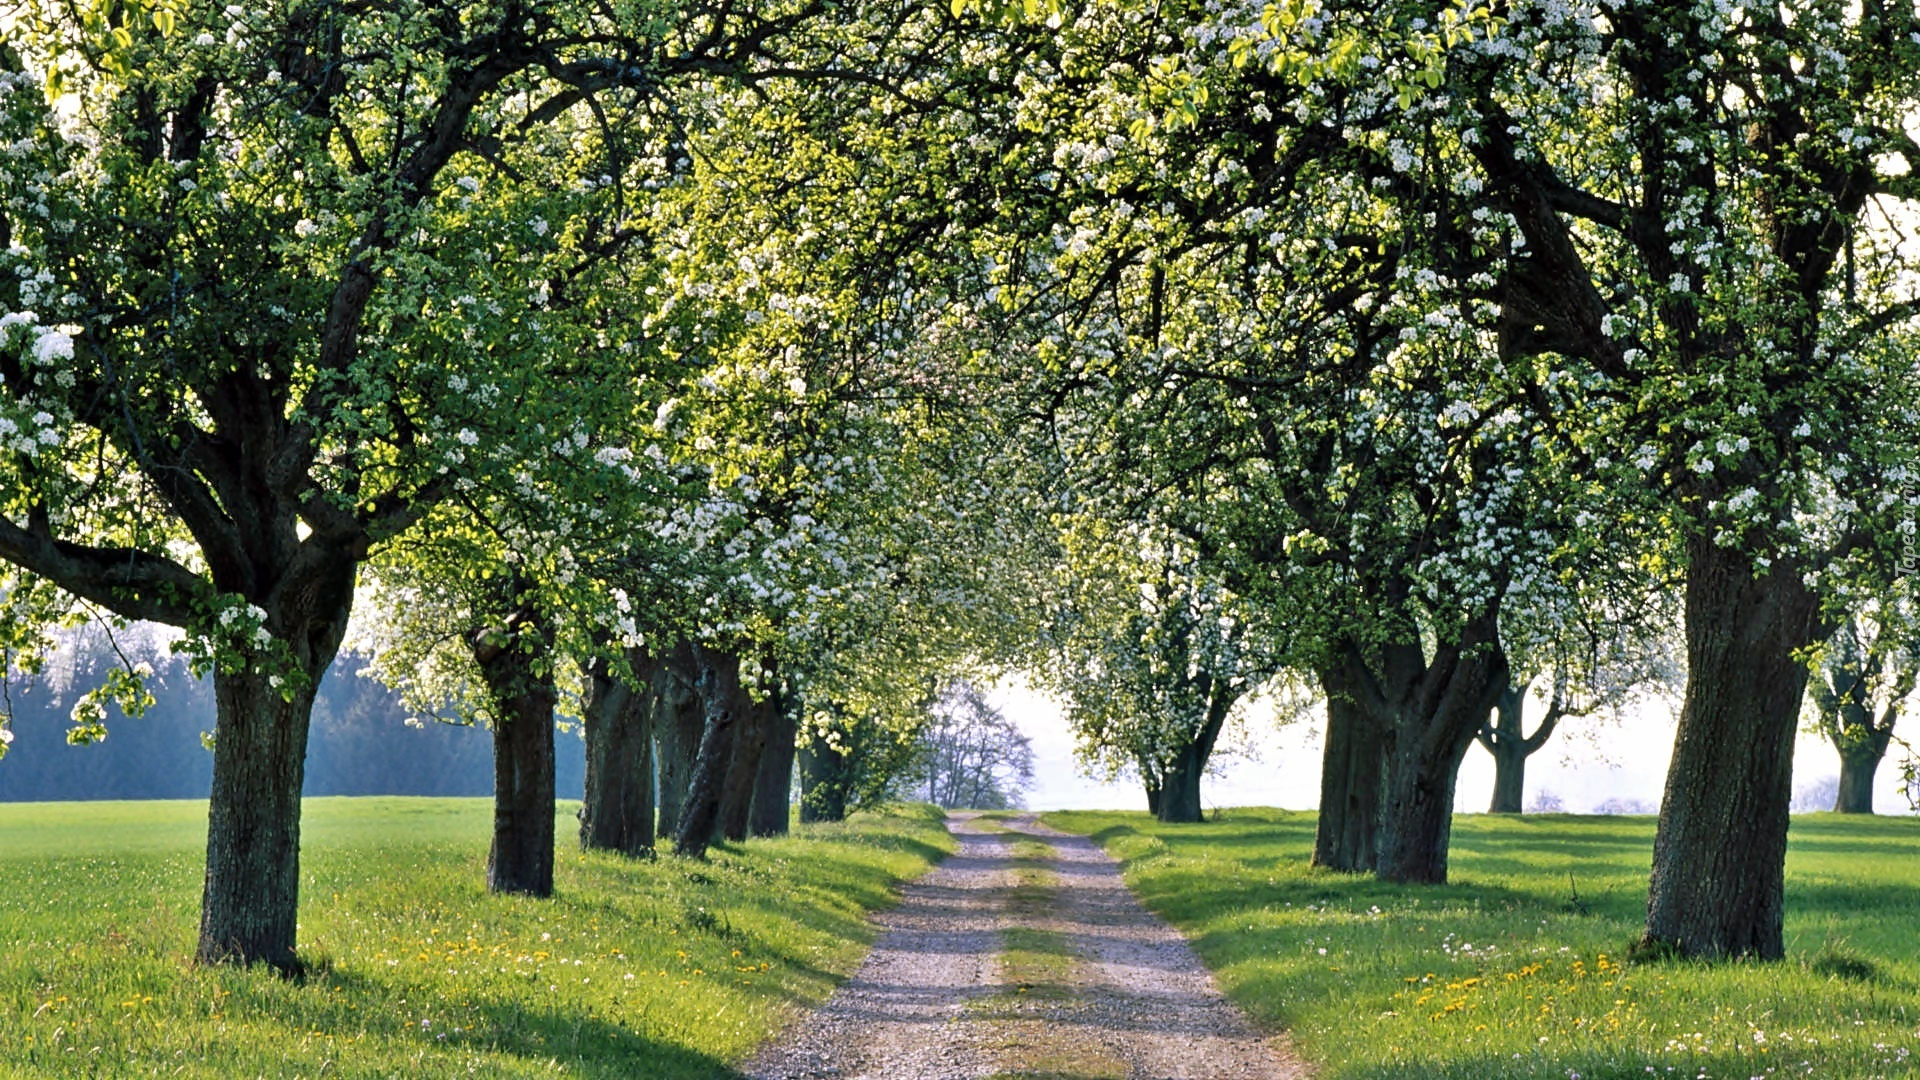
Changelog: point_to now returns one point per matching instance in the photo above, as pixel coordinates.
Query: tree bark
(679, 719)
(773, 789)
(250, 897)
(1719, 853)
(823, 783)
(1506, 742)
(515, 665)
(1352, 768)
(743, 770)
(1434, 720)
(1858, 766)
(1180, 780)
(616, 812)
(719, 689)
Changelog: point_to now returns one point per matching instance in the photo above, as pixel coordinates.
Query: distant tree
(969, 754)
(1816, 795)
(1598, 660)
(1857, 692)
(1620, 805)
(1152, 653)
(1546, 801)
(1506, 740)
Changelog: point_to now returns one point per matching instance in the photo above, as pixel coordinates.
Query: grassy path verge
(664, 970)
(1515, 970)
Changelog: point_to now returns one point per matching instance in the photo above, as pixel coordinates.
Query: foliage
(1150, 652)
(1513, 972)
(670, 970)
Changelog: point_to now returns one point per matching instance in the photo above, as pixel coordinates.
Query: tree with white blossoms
(1693, 211)
(1861, 681)
(861, 530)
(253, 262)
(516, 586)
(1602, 646)
(1678, 221)
(1152, 656)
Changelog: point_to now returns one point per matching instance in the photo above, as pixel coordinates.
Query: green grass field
(1517, 968)
(659, 970)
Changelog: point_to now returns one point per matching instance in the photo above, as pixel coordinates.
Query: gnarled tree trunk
(515, 666)
(616, 812)
(743, 771)
(251, 895)
(1433, 717)
(1719, 855)
(823, 782)
(679, 718)
(1352, 770)
(773, 788)
(719, 690)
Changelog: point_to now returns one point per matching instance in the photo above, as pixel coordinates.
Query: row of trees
(747, 370)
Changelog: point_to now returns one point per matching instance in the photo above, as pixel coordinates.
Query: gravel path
(931, 1002)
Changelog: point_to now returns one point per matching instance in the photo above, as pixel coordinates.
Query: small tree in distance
(970, 755)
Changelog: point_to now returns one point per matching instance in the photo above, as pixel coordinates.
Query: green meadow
(1519, 967)
(663, 969)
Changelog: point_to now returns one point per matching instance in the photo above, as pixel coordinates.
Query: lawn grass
(663, 970)
(1517, 968)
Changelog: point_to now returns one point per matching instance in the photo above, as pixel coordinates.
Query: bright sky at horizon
(1586, 763)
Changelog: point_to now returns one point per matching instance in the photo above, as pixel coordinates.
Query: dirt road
(1024, 956)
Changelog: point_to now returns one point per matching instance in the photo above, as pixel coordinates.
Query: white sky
(1586, 763)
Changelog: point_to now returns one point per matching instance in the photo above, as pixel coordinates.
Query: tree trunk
(519, 681)
(250, 900)
(251, 896)
(1416, 819)
(743, 771)
(773, 790)
(1507, 743)
(823, 783)
(1352, 768)
(679, 719)
(719, 688)
(1434, 721)
(1857, 768)
(616, 812)
(1180, 791)
(1429, 713)
(1719, 853)
(1153, 797)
